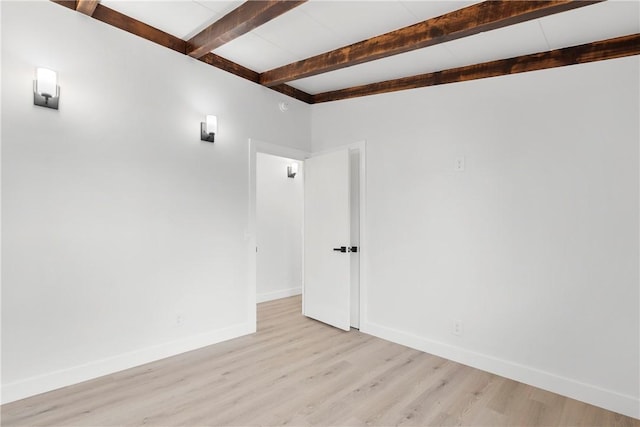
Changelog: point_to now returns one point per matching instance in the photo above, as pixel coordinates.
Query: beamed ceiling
(319, 51)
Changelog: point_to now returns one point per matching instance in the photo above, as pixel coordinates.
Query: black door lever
(344, 249)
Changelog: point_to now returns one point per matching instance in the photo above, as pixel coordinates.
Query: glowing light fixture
(208, 129)
(46, 92)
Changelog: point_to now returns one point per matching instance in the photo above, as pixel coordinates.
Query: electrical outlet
(179, 319)
(459, 165)
(457, 328)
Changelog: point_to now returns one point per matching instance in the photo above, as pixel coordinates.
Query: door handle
(345, 249)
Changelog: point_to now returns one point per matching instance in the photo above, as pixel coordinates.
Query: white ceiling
(322, 25)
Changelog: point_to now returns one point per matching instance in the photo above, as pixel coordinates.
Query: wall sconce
(292, 170)
(208, 129)
(46, 92)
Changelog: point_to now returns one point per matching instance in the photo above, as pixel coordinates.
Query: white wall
(279, 212)
(116, 218)
(534, 247)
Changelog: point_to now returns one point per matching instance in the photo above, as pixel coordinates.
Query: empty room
(331, 213)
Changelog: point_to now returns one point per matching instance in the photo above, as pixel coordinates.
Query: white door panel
(327, 272)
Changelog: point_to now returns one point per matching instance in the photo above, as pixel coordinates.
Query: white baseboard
(607, 399)
(65, 377)
(269, 296)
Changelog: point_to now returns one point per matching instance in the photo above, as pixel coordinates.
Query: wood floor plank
(428, 402)
(385, 408)
(454, 407)
(347, 397)
(295, 371)
(325, 387)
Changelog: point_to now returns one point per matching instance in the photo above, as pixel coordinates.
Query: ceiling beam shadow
(239, 21)
(597, 51)
(474, 19)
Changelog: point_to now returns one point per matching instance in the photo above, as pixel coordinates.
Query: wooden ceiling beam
(71, 4)
(597, 51)
(239, 21)
(87, 6)
(230, 66)
(293, 92)
(474, 19)
(140, 29)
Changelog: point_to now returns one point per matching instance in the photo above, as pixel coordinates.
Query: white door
(327, 235)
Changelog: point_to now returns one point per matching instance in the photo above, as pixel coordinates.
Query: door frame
(258, 146)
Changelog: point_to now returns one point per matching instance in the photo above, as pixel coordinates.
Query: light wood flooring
(295, 371)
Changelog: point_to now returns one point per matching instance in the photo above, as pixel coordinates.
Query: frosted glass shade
(46, 82)
(212, 124)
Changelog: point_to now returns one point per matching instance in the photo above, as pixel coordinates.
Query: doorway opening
(279, 221)
(261, 235)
